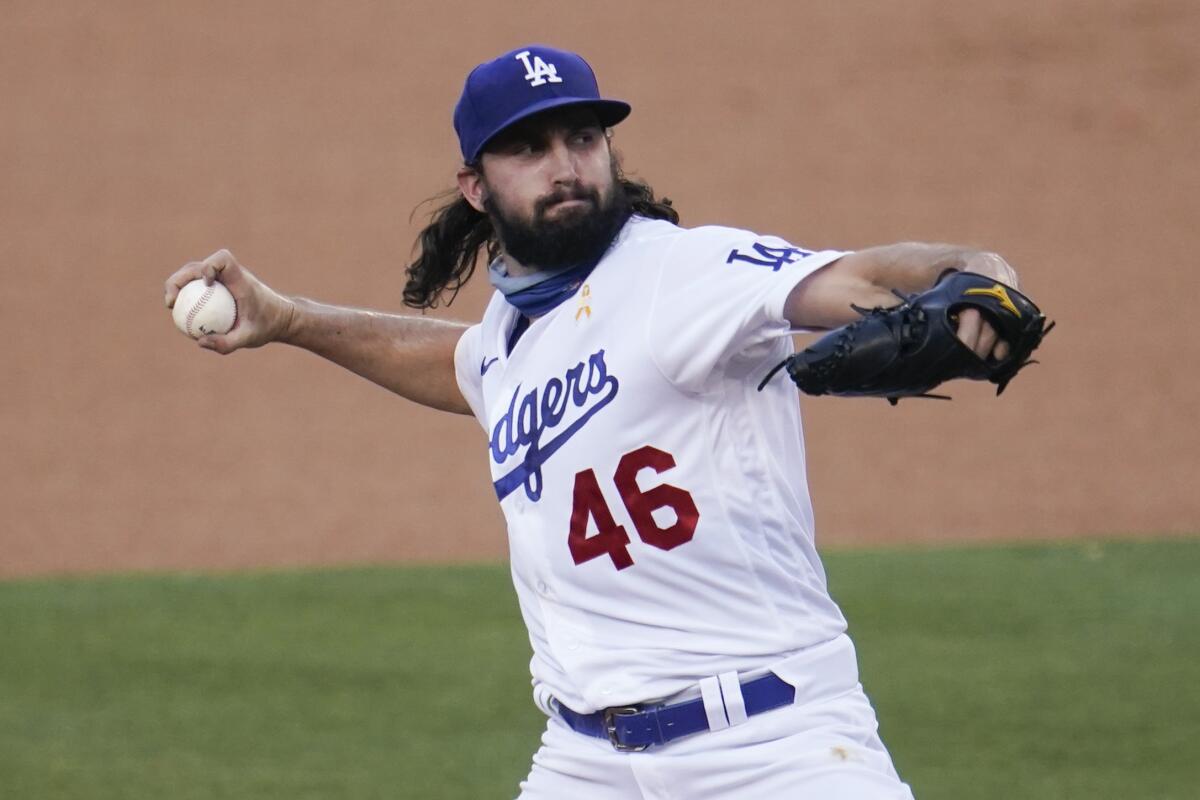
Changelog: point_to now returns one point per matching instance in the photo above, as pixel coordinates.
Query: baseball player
(660, 528)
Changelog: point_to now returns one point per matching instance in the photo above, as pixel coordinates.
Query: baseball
(200, 310)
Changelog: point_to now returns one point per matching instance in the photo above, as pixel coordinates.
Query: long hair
(448, 248)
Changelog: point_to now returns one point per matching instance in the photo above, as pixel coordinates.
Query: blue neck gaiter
(537, 294)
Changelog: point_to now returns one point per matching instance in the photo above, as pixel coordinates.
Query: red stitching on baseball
(209, 292)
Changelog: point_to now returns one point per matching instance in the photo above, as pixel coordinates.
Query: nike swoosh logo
(483, 368)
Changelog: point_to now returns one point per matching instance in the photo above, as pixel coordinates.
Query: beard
(576, 236)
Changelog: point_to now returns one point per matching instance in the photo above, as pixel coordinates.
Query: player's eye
(585, 137)
(530, 147)
(518, 146)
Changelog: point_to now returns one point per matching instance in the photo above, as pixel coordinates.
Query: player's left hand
(975, 331)
(910, 349)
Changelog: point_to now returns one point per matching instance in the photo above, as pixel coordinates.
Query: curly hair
(448, 248)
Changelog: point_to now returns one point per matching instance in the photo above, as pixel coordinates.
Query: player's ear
(470, 183)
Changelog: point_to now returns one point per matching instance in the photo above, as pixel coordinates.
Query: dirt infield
(1063, 134)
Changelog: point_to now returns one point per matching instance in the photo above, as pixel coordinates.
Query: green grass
(1033, 672)
(349, 684)
(1066, 671)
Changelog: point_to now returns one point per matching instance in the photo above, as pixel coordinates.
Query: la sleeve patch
(763, 255)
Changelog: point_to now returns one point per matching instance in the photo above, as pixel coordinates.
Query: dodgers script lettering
(586, 387)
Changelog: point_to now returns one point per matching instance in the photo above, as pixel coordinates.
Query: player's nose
(561, 162)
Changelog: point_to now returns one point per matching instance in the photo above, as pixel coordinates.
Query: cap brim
(610, 112)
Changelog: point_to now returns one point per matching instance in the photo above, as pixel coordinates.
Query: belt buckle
(610, 727)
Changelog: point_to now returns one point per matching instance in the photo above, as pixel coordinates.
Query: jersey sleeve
(466, 371)
(720, 297)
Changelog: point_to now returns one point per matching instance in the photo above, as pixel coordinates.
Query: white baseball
(200, 310)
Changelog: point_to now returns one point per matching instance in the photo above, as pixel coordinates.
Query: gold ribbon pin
(585, 309)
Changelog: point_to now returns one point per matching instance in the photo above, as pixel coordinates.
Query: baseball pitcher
(652, 478)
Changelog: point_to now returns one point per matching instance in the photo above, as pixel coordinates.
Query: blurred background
(137, 136)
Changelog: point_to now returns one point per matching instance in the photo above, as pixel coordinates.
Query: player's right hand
(262, 313)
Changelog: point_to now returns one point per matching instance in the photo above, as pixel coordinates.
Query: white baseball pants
(823, 747)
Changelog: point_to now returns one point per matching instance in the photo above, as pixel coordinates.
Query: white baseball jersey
(659, 521)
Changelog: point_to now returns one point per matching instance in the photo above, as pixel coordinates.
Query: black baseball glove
(906, 350)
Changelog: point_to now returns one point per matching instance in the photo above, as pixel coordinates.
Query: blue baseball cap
(521, 83)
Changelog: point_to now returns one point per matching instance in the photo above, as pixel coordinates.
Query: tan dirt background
(140, 135)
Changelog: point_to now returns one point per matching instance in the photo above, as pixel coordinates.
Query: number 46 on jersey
(612, 539)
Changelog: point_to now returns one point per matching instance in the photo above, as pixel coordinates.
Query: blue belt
(633, 728)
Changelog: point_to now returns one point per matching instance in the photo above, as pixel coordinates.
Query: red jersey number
(612, 539)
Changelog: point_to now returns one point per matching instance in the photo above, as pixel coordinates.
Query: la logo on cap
(538, 72)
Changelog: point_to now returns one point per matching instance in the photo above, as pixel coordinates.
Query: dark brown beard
(558, 244)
